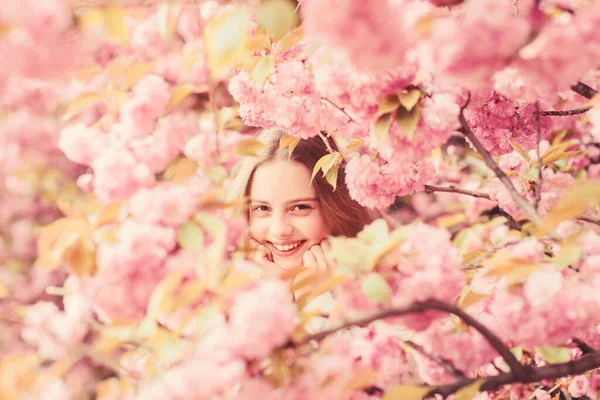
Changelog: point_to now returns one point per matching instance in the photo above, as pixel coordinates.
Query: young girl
(289, 217)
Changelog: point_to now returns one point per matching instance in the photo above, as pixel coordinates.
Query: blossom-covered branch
(489, 161)
(419, 307)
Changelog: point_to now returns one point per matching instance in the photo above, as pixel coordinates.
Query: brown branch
(583, 346)
(419, 307)
(538, 139)
(563, 113)
(342, 109)
(584, 90)
(322, 136)
(576, 367)
(489, 161)
(454, 189)
(591, 220)
(447, 365)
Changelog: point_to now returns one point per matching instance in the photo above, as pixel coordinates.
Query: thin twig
(342, 109)
(447, 365)
(454, 189)
(419, 307)
(591, 220)
(584, 90)
(538, 138)
(329, 148)
(489, 161)
(563, 113)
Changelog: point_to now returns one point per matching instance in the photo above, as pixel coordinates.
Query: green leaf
(406, 392)
(553, 355)
(263, 69)
(388, 104)
(409, 98)
(382, 126)
(408, 120)
(190, 236)
(179, 94)
(376, 287)
(331, 175)
(277, 17)
(470, 391)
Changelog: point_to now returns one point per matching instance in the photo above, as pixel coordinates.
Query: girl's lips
(287, 253)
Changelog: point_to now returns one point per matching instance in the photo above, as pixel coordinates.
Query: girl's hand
(317, 257)
(261, 255)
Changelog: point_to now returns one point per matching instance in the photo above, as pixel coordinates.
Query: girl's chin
(288, 262)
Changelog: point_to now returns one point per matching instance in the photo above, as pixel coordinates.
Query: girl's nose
(281, 226)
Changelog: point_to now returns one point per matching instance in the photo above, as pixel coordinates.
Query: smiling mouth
(287, 248)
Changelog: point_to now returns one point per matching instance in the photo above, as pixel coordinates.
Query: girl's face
(284, 211)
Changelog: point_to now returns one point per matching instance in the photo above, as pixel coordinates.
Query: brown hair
(342, 215)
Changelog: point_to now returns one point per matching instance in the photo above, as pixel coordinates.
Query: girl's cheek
(258, 229)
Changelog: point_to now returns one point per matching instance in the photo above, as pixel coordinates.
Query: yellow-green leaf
(226, 38)
(263, 69)
(388, 104)
(468, 297)
(224, 115)
(190, 236)
(594, 100)
(571, 205)
(4, 292)
(470, 391)
(291, 39)
(553, 355)
(323, 161)
(406, 392)
(382, 126)
(114, 19)
(519, 150)
(331, 175)
(179, 94)
(568, 255)
(376, 287)
(166, 13)
(250, 147)
(409, 98)
(355, 142)
(277, 17)
(134, 73)
(408, 120)
(79, 104)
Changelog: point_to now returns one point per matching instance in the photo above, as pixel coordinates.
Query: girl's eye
(261, 208)
(302, 207)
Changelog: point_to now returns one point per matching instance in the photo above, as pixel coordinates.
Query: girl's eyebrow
(288, 202)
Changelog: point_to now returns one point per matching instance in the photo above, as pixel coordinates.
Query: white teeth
(286, 247)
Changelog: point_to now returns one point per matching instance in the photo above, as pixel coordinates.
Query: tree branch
(442, 362)
(563, 113)
(583, 346)
(454, 189)
(489, 161)
(584, 90)
(579, 366)
(419, 307)
(591, 220)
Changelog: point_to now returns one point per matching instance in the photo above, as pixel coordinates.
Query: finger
(309, 260)
(326, 246)
(320, 257)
